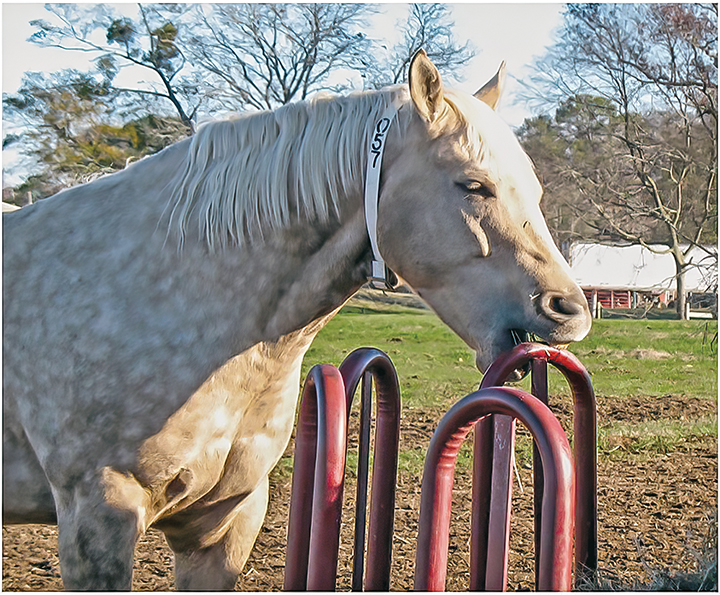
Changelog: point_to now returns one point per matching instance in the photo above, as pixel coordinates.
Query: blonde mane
(266, 169)
(263, 170)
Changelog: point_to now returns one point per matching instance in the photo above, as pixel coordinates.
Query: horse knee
(96, 545)
(220, 551)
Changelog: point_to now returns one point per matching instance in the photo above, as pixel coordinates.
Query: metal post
(318, 477)
(540, 390)
(585, 445)
(556, 549)
(362, 481)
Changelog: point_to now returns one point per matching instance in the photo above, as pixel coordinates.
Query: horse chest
(229, 435)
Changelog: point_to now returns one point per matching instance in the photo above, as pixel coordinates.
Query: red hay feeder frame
(565, 485)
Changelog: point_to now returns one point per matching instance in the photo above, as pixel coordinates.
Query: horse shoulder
(241, 419)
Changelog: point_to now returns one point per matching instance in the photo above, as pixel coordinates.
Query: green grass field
(652, 357)
(626, 359)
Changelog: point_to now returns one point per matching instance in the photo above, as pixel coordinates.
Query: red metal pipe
(480, 514)
(584, 451)
(384, 477)
(500, 503)
(363, 474)
(317, 490)
(318, 474)
(539, 388)
(314, 528)
(556, 550)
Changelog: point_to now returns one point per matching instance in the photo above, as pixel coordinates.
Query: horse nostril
(562, 306)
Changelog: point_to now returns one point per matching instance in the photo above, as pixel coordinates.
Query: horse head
(459, 220)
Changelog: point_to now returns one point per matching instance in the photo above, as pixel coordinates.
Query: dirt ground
(657, 513)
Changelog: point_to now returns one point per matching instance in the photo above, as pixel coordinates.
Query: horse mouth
(519, 336)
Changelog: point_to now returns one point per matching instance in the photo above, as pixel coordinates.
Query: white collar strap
(380, 274)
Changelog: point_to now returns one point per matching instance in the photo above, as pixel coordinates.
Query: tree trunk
(681, 294)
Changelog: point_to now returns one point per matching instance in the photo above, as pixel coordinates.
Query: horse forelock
(263, 170)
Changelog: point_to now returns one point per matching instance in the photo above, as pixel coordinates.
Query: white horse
(155, 319)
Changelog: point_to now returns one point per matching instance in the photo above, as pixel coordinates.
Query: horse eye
(477, 188)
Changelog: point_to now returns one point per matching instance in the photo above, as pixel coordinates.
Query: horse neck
(336, 252)
(285, 280)
(314, 255)
(313, 270)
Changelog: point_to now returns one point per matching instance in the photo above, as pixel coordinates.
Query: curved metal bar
(317, 490)
(498, 473)
(556, 552)
(384, 478)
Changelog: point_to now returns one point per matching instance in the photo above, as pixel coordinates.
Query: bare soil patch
(656, 513)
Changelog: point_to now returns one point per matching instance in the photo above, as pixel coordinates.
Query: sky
(514, 32)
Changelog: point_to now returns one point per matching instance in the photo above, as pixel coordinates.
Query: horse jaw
(490, 325)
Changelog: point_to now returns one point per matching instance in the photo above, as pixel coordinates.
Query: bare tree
(430, 27)
(655, 68)
(199, 58)
(265, 55)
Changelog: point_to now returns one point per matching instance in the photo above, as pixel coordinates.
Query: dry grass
(704, 577)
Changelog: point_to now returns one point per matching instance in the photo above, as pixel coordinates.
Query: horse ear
(492, 90)
(426, 87)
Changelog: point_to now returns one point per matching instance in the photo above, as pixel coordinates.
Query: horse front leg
(96, 541)
(209, 552)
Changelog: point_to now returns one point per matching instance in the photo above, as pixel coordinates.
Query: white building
(627, 276)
